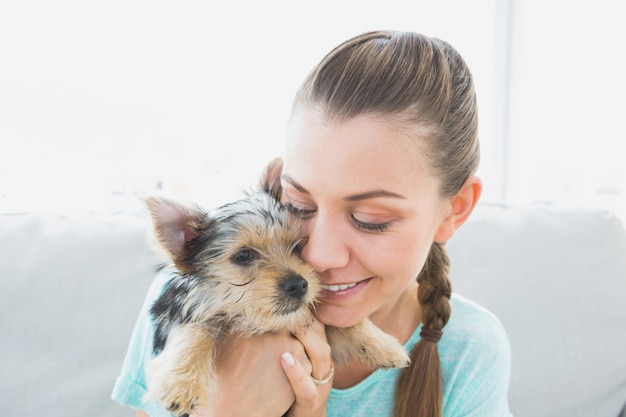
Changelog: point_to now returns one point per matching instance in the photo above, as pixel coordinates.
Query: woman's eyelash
(298, 211)
(366, 227)
(370, 227)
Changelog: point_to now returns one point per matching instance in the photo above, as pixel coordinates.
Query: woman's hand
(253, 383)
(310, 398)
(251, 380)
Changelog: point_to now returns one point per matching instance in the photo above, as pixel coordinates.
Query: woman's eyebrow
(374, 194)
(356, 197)
(294, 184)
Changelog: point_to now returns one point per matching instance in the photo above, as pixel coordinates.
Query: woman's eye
(298, 212)
(370, 227)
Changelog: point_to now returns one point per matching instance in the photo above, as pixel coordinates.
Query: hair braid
(420, 386)
(435, 288)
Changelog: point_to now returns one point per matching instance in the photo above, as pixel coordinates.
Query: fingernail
(289, 360)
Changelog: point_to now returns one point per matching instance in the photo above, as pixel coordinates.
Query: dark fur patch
(167, 310)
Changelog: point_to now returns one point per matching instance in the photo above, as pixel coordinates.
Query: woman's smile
(338, 292)
(337, 288)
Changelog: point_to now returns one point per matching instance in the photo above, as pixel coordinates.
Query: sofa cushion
(71, 289)
(557, 280)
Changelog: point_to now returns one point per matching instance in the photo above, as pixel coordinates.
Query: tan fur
(182, 376)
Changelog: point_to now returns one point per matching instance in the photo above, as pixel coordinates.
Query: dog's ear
(177, 228)
(270, 178)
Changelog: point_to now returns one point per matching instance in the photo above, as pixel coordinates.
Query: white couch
(71, 288)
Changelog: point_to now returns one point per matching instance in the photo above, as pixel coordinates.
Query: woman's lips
(340, 287)
(337, 290)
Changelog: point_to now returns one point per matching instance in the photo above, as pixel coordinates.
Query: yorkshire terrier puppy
(236, 270)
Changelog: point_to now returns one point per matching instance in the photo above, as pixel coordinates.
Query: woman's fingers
(316, 345)
(311, 397)
(300, 378)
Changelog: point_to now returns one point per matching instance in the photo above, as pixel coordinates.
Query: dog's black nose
(294, 285)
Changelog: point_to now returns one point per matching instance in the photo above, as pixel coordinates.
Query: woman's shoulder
(474, 338)
(475, 334)
(471, 323)
(475, 357)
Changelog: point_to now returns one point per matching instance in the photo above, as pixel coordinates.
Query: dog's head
(244, 259)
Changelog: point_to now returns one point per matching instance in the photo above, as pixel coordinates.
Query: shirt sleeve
(130, 386)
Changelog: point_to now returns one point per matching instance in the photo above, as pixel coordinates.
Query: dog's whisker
(240, 297)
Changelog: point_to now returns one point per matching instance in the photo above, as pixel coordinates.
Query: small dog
(237, 271)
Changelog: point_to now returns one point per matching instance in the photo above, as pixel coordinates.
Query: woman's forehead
(361, 152)
(365, 138)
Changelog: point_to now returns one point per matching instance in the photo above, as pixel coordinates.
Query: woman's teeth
(334, 288)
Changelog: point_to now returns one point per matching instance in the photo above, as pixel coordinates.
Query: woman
(380, 161)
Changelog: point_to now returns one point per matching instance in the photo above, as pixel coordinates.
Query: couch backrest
(71, 289)
(70, 292)
(556, 278)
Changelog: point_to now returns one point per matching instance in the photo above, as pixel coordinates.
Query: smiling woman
(379, 166)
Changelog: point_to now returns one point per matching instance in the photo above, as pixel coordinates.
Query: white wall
(568, 104)
(111, 97)
(102, 100)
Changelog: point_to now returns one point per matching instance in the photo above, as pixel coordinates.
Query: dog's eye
(296, 247)
(245, 257)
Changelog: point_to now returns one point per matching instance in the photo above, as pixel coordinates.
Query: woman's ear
(461, 207)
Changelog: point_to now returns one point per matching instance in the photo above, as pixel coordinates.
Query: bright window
(568, 104)
(100, 102)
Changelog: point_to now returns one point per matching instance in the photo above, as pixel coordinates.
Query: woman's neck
(399, 319)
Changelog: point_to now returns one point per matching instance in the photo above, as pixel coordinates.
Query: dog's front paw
(369, 344)
(179, 402)
(178, 388)
(179, 395)
(385, 353)
(181, 378)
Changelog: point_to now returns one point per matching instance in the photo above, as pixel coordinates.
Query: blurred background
(103, 101)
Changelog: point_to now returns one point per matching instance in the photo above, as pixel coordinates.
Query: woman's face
(370, 208)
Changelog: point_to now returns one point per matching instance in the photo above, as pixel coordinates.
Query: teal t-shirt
(474, 353)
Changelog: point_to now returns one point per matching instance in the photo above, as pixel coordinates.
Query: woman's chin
(336, 317)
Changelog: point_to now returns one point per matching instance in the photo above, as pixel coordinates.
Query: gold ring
(326, 380)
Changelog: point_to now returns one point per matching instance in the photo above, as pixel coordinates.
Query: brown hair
(423, 84)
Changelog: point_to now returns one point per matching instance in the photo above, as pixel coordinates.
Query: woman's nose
(324, 247)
